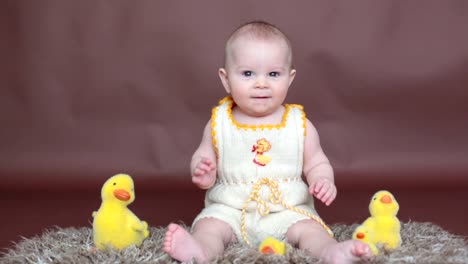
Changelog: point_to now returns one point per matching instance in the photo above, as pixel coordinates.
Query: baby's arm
(317, 168)
(203, 165)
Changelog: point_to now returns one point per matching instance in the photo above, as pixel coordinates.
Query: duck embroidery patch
(259, 148)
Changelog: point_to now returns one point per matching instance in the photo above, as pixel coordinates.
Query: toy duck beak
(360, 235)
(122, 195)
(268, 250)
(386, 199)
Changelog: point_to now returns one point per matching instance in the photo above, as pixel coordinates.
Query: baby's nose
(261, 82)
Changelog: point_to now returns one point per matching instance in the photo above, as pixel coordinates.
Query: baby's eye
(274, 74)
(247, 73)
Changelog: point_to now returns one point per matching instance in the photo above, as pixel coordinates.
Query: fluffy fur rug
(422, 243)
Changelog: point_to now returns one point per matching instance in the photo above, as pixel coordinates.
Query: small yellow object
(362, 233)
(114, 225)
(272, 246)
(383, 224)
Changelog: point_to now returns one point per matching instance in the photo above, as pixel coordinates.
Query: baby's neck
(274, 118)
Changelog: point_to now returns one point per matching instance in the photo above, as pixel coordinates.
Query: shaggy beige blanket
(422, 243)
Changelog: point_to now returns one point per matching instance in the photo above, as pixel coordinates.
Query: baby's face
(257, 75)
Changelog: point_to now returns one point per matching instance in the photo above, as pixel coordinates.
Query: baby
(251, 159)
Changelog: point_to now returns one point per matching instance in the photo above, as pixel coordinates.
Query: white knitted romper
(256, 162)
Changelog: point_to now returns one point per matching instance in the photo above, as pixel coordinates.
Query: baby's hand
(204, 173)
(324, 190)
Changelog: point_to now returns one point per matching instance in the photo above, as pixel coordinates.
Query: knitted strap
(275, 198)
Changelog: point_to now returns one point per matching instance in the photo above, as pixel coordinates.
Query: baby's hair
(258, 29)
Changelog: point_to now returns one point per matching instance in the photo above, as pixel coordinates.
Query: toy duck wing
(139, 226)
(135, 223)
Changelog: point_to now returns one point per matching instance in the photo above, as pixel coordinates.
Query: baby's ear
(292, 75)
(224, 79)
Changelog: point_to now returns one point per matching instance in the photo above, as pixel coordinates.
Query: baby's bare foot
(350, 251)
(180, 245)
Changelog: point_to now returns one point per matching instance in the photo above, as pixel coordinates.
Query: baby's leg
(208, 239)
(312, 237)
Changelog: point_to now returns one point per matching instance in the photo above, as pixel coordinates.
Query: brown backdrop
(92, 88)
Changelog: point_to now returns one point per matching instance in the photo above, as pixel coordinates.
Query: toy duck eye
(114, 184)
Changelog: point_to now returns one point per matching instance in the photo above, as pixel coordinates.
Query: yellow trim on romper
(262, 127)
(214, 114)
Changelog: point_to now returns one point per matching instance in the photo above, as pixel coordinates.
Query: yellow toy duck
(114, 225)
(362, 233)
(271, 245)
(383, 225)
